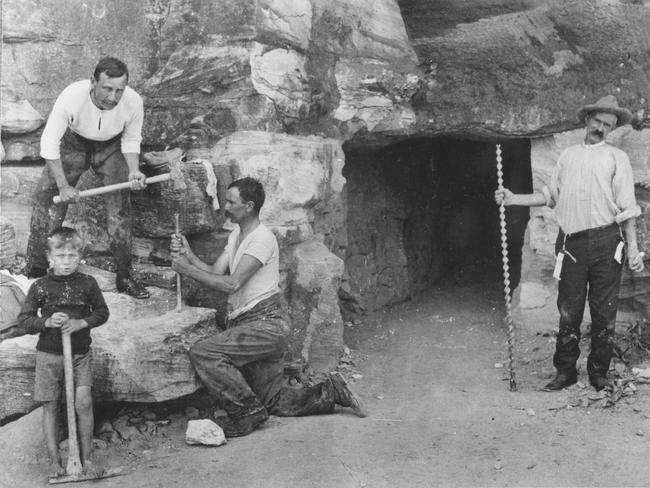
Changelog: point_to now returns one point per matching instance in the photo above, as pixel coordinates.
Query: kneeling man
(242, 367)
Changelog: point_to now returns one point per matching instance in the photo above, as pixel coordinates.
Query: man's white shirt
(263, 246)
(75, 110)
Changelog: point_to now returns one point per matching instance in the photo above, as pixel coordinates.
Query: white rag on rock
(21, 280)
(211, 186)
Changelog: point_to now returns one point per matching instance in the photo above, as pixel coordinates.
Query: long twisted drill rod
(179, 299)
(506, 275)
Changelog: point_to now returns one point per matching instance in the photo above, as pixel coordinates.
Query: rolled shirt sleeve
(623, 189)
(551, 191)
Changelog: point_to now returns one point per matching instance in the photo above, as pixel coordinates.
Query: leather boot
(601, 383)
(126, 284)
(562, 380)
(244, 424)
(344, 396)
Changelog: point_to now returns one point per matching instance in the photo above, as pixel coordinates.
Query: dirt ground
(433, 374)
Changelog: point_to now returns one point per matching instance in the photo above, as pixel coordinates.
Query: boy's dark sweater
(78, 295)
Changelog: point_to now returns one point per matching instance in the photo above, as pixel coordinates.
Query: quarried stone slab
(317, 326)
(139, 355)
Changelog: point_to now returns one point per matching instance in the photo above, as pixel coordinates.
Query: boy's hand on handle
(503, 196)
(73, 325)
(57, 320)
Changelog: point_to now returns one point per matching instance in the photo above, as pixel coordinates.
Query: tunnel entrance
(421, 213)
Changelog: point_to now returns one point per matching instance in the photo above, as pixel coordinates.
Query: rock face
(521, 70)
(139, 355)
(18, 363)
(295, 92)
(314, 278)
(300, 174)
(7, 243)
(17, 184)
(18, 116)
(365, 69)
(209, 69)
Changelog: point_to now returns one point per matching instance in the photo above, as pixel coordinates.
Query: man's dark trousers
(242, 367)
(596, 275)
(106, 160)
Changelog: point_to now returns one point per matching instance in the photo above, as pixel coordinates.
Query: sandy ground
(434, 378)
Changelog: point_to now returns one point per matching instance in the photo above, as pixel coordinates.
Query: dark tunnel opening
(421, 213)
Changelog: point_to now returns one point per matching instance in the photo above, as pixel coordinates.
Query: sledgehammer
(165, 159)
(74, 469)
(117, 186)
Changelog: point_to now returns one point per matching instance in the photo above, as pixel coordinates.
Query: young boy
(64, 301)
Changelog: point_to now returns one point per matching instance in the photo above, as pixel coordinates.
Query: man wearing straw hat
(592, 191)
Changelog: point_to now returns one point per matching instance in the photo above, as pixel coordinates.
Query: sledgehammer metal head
(168, 160)
(176, 175)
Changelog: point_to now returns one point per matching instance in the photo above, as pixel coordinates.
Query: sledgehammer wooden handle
(117, 186)
(74, 466)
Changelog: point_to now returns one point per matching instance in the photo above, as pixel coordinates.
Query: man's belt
(95, 146)
(593, 230)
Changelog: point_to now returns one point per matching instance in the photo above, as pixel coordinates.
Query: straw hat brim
(623, 115)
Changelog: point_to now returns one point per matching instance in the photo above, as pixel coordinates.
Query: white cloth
(75, 110)
(592, 186)
(21, 280)
(211, 185)
(263, 246)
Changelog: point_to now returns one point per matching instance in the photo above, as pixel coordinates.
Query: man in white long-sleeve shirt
(592, 191)
(95, 125)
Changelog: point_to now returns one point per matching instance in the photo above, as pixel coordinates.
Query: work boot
(242, 425)
(126, 284)
(343, 395)
(601, 383)
(562, 380)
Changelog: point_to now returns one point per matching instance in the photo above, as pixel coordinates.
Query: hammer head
(176, 175)
(171, 160)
